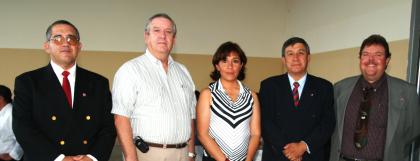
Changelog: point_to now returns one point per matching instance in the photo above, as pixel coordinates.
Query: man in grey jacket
(377, 114)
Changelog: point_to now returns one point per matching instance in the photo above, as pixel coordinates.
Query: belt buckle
(164, 146)
(352, 159)
(357, 159)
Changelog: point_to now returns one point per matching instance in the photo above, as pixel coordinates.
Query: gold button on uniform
(62, 142)
(88, 117)
(85, 142)
(53, 118)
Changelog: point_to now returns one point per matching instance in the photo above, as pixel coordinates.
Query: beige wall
(334, 65)
(17, 61)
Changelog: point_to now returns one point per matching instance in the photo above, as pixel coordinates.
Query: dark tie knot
(65, 73)
(296, 84)
(367, 92)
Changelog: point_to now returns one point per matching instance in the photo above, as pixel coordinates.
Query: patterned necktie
(295, 94)
(360, 135)
(66, 87)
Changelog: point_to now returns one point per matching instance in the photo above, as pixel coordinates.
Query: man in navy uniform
(62, 111)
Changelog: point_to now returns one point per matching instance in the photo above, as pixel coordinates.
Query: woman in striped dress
(228, 114)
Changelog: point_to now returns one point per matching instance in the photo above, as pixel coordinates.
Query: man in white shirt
(62, 112)
(9, 147)
(153, 98)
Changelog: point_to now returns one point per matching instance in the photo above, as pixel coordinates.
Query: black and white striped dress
(229, 121)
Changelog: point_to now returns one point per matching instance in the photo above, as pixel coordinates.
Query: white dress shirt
(8, 143)
(301, 82)
(160, 104)
(72, 79)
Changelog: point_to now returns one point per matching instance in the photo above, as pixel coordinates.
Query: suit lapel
(53, 85)
(307, 92)
(395, 105)
(305, 97)
(342, 101)
(284, 91)
(80, 88)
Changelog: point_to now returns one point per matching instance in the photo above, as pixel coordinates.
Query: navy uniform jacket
(44, 124)
(312, 121)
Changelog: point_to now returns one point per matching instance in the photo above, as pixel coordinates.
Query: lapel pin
(84, 94)
(312, 94)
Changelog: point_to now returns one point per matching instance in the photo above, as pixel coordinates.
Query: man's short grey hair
(162, 15)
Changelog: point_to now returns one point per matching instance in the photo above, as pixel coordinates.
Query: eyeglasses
(59, 40)
(360, 135)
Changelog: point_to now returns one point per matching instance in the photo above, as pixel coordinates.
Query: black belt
(356, 159)
(177, 146)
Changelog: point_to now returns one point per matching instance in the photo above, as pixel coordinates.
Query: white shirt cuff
(16, 152)
(59, 158)
(307, 148)
(15, 156)
(92, 157)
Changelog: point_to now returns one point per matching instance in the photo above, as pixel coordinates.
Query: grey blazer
(403, 117)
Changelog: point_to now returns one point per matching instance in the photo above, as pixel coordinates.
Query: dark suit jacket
(44, 124)
(312, 121)
(403, 121)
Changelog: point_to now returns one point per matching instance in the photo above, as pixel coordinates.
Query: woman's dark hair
(222, 53)
(6, 93)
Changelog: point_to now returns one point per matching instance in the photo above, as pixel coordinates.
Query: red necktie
(296, 94)
(66, 87)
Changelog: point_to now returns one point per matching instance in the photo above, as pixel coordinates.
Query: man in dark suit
(384, 129)
(297, 109)
(62, 111)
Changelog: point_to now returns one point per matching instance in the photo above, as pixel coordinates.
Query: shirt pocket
(186, 92)
(152, 96)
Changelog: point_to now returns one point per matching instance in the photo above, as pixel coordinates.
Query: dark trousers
(208, 158)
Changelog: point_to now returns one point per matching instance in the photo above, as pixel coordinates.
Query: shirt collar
(58, 70)
(155, 60)
(9, 105)
(301, 81)
(375, 85)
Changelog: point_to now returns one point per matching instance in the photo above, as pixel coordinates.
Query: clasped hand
(77, 158)
(294, 151)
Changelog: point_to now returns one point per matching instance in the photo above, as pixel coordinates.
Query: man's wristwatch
(191, 154)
